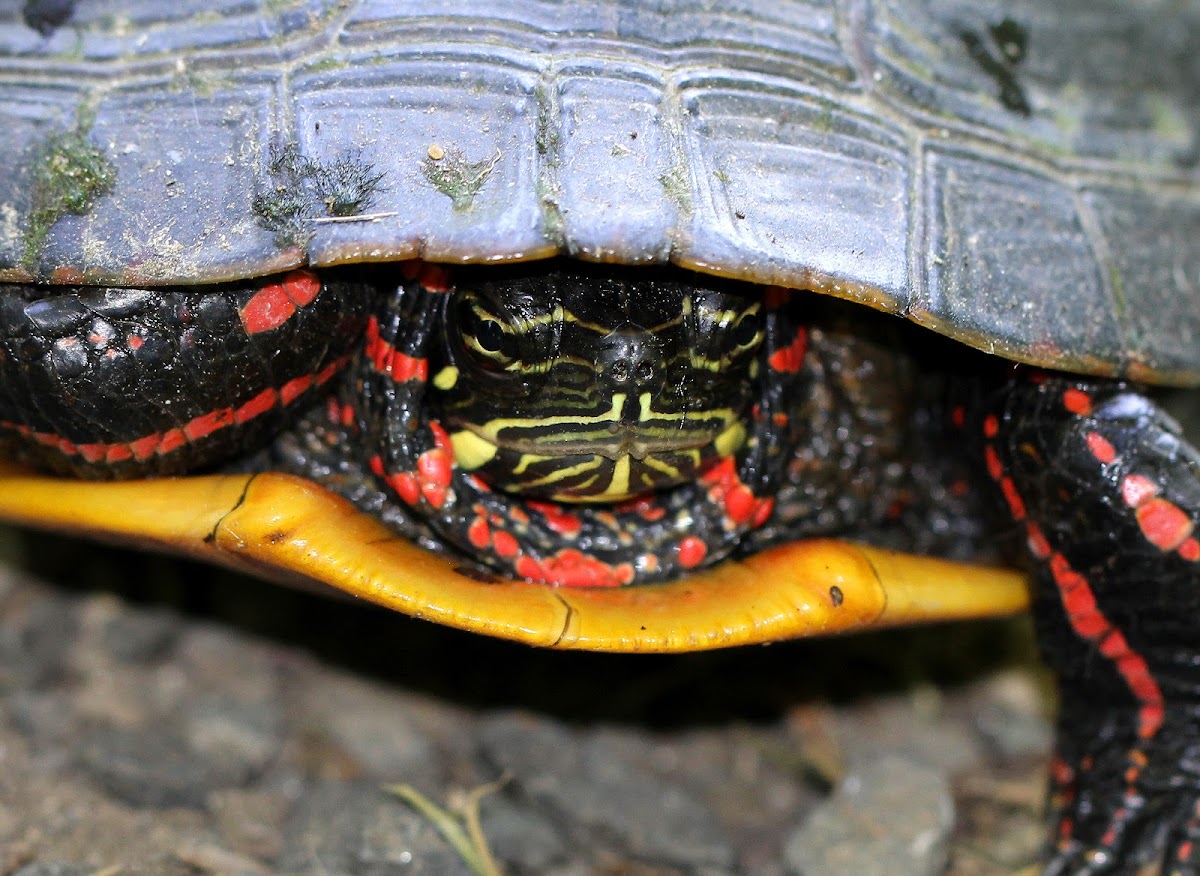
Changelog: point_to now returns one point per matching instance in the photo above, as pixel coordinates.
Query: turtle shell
(1020, 176)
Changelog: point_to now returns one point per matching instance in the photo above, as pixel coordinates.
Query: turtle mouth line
(628, 444)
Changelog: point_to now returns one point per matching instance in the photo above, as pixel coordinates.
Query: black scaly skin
(104, 383)
(1107, 492)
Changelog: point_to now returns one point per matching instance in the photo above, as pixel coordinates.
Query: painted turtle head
(594, 388)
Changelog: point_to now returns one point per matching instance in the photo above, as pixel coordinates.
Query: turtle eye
(727, 329)
(491, 339)
(747, 334)
(488, 335)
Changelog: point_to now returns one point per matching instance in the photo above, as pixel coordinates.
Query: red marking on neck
(790, 359)
(1016, 505)
(386, 359)
(1036, 539)
(435, 468)
(740, 504)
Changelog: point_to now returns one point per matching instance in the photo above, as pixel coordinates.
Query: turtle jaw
(615, 463)
(625, 441)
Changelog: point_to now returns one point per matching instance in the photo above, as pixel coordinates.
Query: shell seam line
(211, 538)
(1110, 279)
(567, 620)
(882, 590)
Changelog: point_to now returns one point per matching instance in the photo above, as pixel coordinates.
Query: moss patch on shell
(298, 189)
(454, 176)
(68, 174)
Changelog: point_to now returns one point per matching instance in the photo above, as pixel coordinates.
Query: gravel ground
(164, 718)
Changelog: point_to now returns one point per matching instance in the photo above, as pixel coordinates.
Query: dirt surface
(161, 717)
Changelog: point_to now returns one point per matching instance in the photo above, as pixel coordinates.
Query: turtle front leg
(1108, 493)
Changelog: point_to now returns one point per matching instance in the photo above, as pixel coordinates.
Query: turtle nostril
(626, 371)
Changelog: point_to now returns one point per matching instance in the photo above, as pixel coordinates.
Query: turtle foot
(1128, 806)
(1107, 490)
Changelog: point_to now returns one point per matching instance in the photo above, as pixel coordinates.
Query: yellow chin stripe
(731, 440)
(617, 489)
(471, 451)
(446, 378)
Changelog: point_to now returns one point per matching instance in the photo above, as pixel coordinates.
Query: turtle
(636, 326)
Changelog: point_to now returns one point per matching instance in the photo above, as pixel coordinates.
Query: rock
(892, 817)
(586, 776)
(355, 827)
